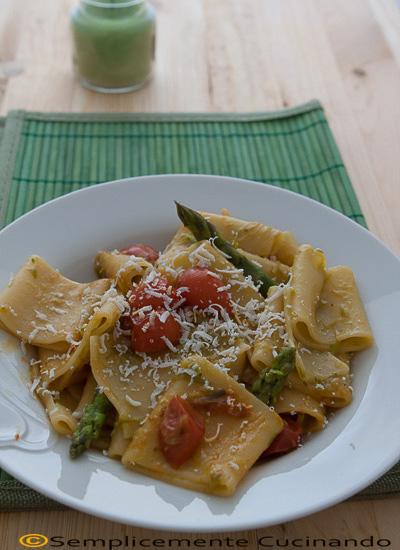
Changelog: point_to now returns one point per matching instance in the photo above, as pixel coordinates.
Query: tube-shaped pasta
(301, 298)
(333, 391)
(340, 306)
(295, 402)
(121, 268)
(60, 417)
(272, 332)
(87, 395)
(255, 237)
(121, 437)
(276, 270)
(324, 307)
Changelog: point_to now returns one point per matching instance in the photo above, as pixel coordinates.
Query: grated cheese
(103, 347)
(57, 310)
(216, 435)
(169, 344)
(133, 402)
(34, 385)
(41, 316)
(201, 257)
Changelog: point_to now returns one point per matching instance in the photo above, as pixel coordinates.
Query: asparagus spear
(270, 382)
(202, 229)
(89, 427)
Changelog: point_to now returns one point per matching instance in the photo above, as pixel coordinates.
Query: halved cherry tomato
(142, 251)
(157, 293)
(149, 332)
(181, 431)
(289, 438)
(204, 288)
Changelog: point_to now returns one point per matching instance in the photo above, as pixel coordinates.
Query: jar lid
(112, 3)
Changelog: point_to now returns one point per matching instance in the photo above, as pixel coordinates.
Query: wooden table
(238, 55)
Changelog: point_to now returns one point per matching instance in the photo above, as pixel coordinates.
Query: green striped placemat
(43, 156)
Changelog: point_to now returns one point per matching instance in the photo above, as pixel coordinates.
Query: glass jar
(114, 44)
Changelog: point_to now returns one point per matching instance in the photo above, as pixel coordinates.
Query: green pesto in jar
(113, 43)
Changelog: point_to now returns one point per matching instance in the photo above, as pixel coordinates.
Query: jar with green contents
(113, 44)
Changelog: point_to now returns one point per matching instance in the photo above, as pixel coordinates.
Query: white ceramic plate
(360, 443)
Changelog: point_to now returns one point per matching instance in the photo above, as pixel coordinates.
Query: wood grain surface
(237, 55)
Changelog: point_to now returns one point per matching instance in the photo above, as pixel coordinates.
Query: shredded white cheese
(133, 402)
(216, 435)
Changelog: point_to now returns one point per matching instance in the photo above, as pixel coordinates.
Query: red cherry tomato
(148, 333)
(157, 293)
(288, 440)
(143, 251)
(181, 432)
(204, 288)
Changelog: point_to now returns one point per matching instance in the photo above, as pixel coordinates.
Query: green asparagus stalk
(271, 381)
(202, 229)
(89, 427)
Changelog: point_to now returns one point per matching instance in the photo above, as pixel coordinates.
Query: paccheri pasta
(190, 365)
